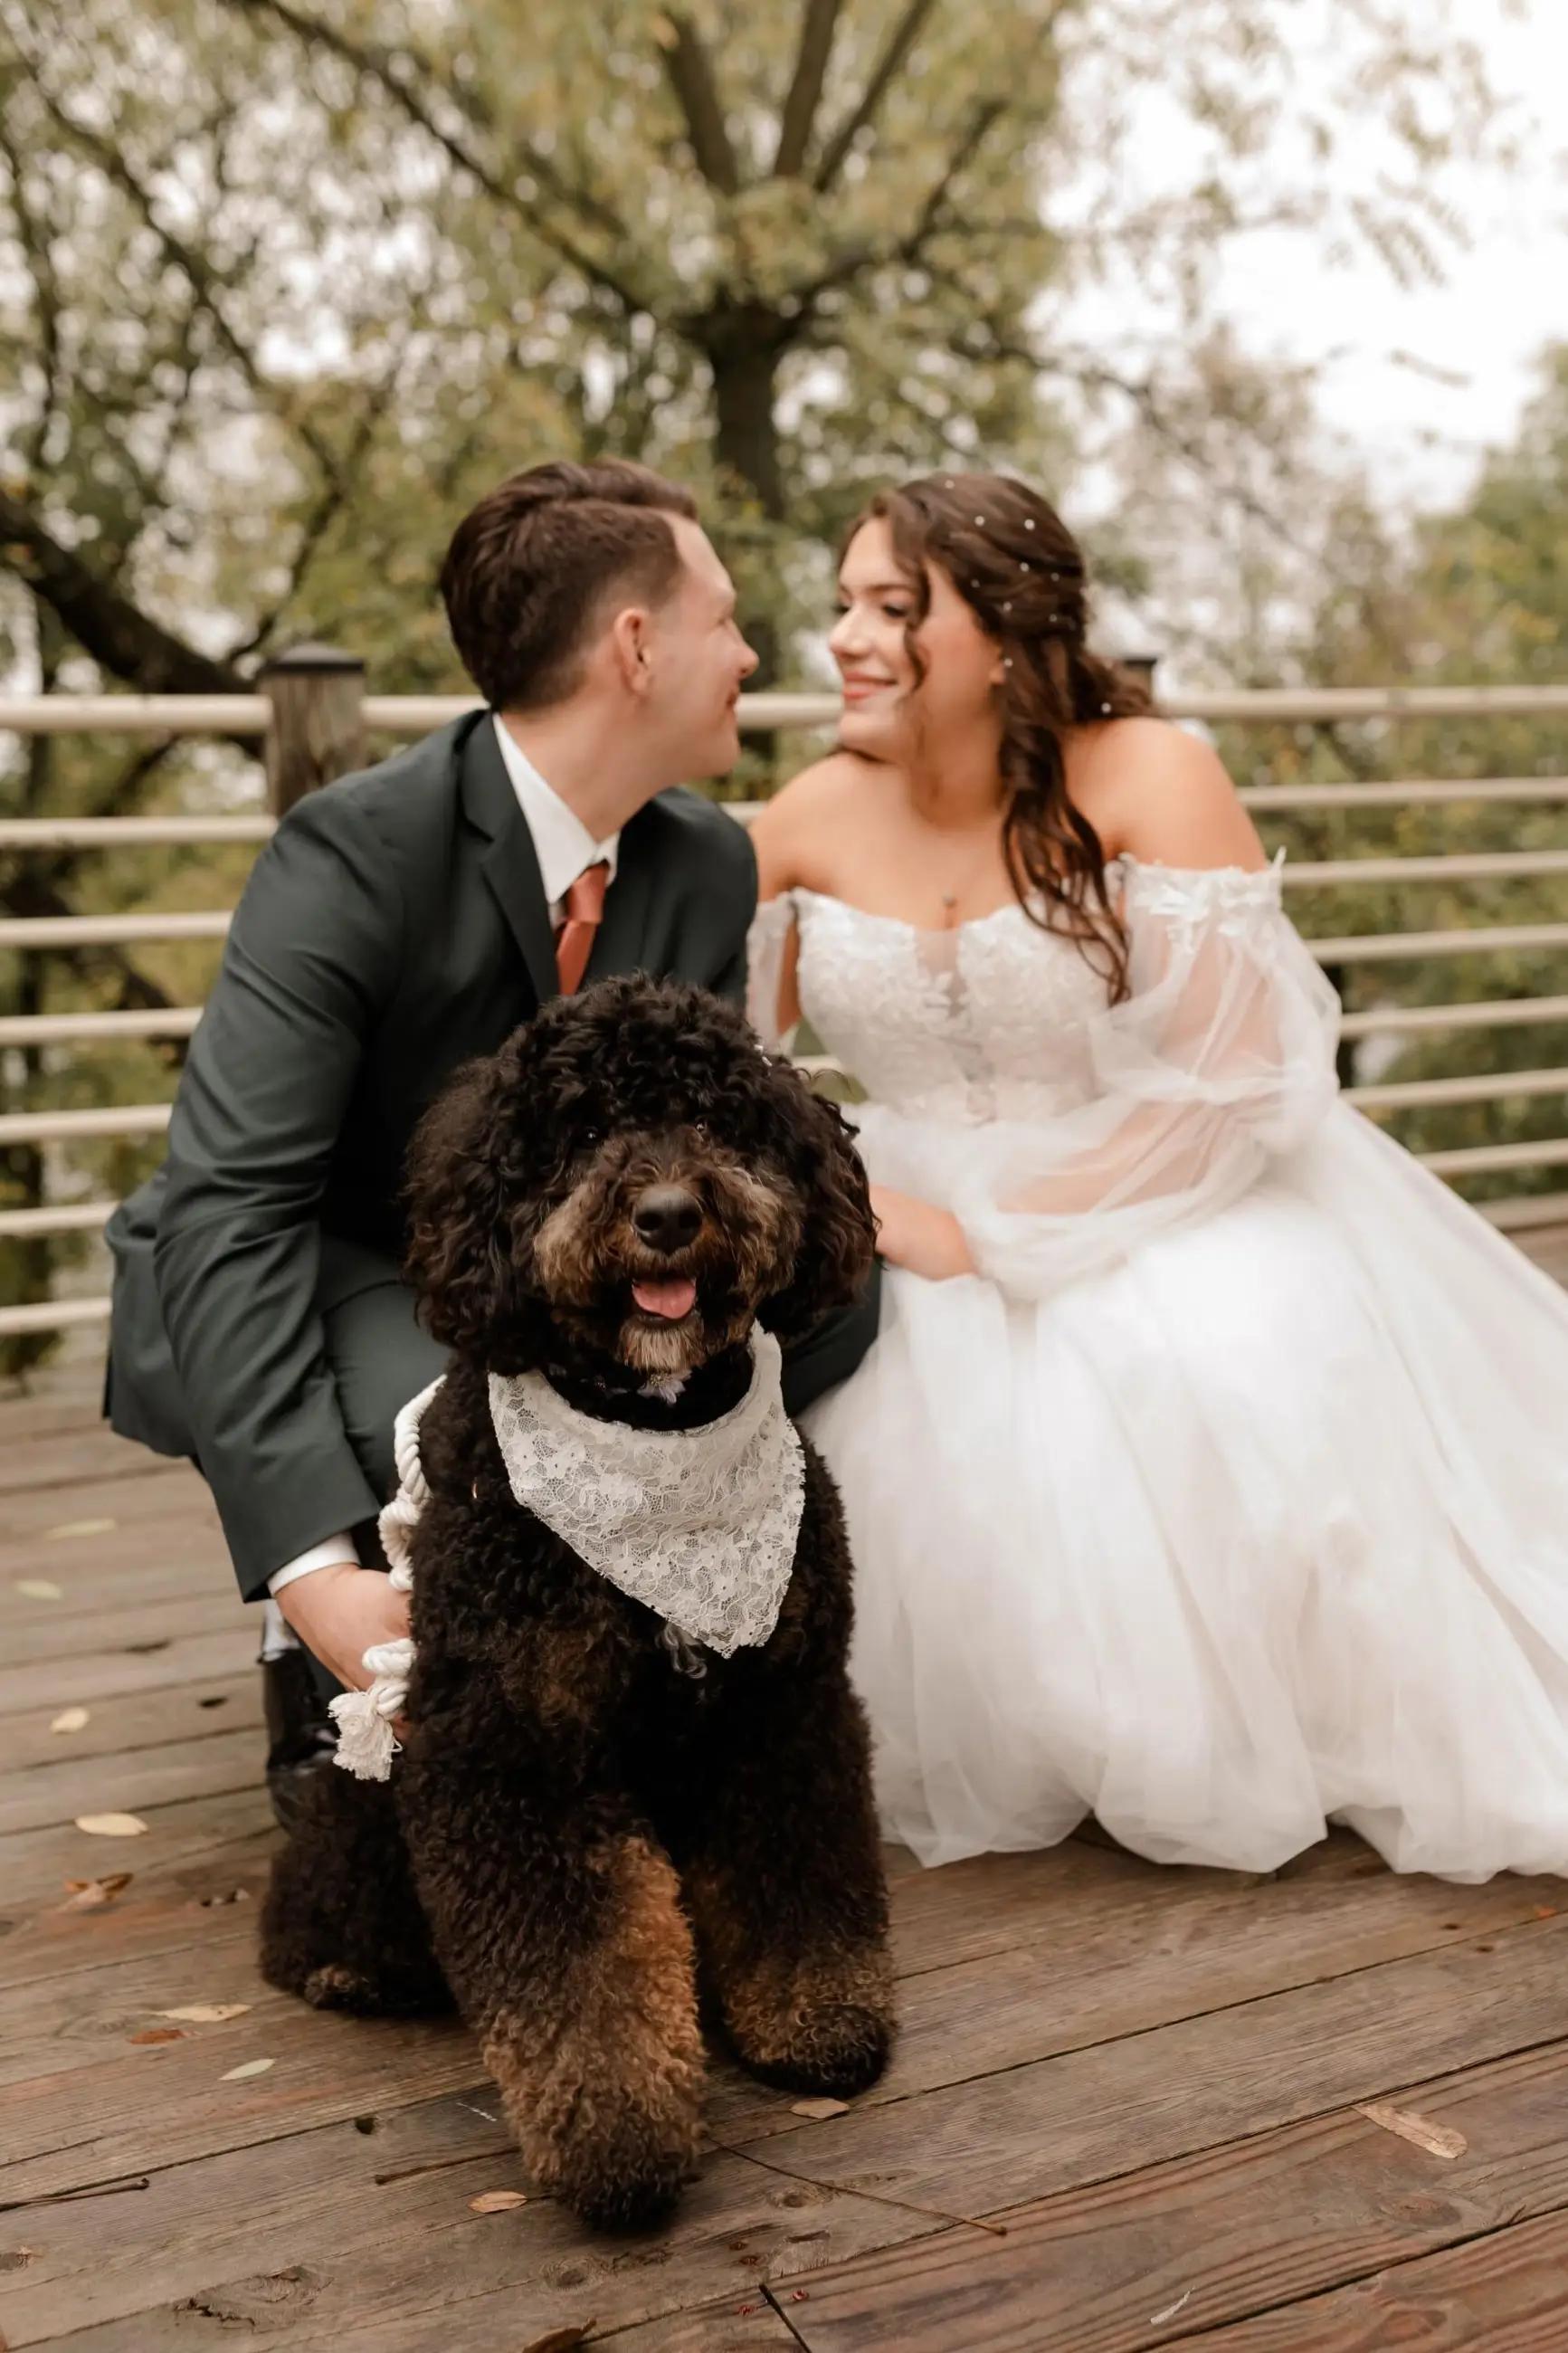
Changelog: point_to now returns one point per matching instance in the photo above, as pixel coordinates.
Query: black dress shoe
(300, 1735)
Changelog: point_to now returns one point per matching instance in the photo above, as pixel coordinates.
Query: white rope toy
(366, 1741)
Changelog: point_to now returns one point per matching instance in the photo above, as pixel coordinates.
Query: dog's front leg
(785, 1880)
(559, 1924)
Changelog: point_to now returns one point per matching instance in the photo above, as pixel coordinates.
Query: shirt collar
(562, 843)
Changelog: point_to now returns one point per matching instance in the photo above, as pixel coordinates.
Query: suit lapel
(622, 942)
(509, 864)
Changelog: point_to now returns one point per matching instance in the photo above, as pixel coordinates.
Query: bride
(1209, 1472)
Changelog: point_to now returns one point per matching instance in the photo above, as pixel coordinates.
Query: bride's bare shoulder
(791, 832)
(1149, 788)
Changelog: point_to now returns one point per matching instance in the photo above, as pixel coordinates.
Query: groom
(399, 923)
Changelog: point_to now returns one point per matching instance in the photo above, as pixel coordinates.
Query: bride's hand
(917, 1236)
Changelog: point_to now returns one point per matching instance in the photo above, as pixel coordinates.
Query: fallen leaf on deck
(70, 1719)
(38, 1588)
(158, 2034)
(86, 1894)
(1437, 2140)
(823, 2107)
(559, 2340)
(111, 1825)
(251, 2067)
(78, 1528)
(206, 2014)
(496, 2201)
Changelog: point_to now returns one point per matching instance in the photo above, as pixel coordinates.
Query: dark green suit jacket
(394, 927)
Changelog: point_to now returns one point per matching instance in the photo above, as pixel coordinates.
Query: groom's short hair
(531, 568)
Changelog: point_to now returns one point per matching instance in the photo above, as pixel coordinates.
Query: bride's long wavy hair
(1020, 569)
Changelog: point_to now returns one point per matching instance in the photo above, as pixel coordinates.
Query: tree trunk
(746, 346)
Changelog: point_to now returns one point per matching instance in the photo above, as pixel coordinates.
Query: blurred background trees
(284, 284)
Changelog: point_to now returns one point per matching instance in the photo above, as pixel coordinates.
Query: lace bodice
(1003, 1084)
(981, 1022)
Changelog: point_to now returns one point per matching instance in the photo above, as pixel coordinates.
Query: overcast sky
(1471, 339)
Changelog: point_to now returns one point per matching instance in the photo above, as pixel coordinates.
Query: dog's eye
(588, 1135)
(699, 1127)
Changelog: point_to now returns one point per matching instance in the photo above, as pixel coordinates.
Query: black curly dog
(578, 1838)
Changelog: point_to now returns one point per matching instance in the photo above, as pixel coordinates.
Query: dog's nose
(667, 1216)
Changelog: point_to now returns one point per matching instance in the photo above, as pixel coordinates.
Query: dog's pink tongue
(673, 1299)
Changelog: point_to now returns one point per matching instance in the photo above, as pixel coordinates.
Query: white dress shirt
(564, 848)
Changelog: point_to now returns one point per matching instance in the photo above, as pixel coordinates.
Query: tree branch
(818, 25)
(909, 249)
(333, 497)
(901, 41)
(388, 69)
(197, 271)
(34, 235)
(120, 637)
(690, 75)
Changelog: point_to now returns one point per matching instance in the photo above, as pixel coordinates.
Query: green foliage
(1478, 596)
(284, 284)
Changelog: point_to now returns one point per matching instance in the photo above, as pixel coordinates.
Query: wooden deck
(1130, 2107)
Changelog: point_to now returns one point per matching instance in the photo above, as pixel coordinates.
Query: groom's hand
(340, 1613)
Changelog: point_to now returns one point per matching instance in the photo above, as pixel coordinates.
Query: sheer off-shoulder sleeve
(767, 948)
(1220, 1059)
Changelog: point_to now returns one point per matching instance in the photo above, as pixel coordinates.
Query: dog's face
(630, 1183)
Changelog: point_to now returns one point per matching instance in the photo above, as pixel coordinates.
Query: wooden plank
(148, 1489)
(136, 1720)
(1111, 1968)
(1116, 1976)
(1006, 2138)
(1147, 2259)
(134, 1782)
(369, 2236)
(1505, 2294)
(161, 2107)
(34, 1865)
(129, 1628)
(192, 1889)
(59, 1398)
(720, 2328)
(89, 2015)
(750, 2324)
(141, 1574)
(157, 1665)
(58, 1455)
(1036, 2128)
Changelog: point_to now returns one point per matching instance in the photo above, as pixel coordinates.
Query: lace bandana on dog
(699, 1525)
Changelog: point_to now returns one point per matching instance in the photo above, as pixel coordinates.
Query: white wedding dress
(1231, 1494)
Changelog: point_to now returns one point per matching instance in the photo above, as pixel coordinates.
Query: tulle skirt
(1266, 1526)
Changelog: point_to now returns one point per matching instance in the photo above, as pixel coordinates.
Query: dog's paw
(391, 1993)
(609, 2190)
(332, 1987)
(835, 2047)
(618, 2167)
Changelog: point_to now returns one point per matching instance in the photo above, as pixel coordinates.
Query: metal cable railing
(262, 718)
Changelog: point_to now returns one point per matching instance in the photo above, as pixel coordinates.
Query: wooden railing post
(317, 727)
(1143, 666)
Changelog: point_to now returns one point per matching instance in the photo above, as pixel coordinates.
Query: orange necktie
(585, 906)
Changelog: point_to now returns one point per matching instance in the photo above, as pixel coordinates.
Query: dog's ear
(839, 1236)
(466, 1256)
